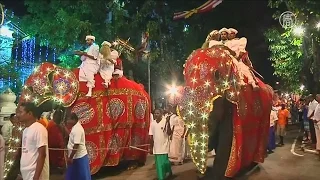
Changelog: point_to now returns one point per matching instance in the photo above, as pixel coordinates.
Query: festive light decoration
(206, 80)
(14, 142)
(62, 89)
(25, 53)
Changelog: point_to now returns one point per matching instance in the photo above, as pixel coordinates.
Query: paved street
(281, 165)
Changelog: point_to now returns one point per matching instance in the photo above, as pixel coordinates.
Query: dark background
(250, 17)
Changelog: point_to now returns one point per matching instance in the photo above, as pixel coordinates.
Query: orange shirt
(283, 116)
(44, 122)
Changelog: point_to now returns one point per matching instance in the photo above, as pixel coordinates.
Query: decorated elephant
(116, 119)
(223, 115)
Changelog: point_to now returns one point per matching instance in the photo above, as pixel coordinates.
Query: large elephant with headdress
(222, 114)
(116, 119)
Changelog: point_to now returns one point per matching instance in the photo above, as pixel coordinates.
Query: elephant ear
(65, 86)
(37, 88)
(209, 74)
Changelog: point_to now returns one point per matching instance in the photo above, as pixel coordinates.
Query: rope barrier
(99, 149)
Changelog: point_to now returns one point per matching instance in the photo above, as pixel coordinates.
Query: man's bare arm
(40, 162)
(151, 143)
(74, 150)
(89, 56)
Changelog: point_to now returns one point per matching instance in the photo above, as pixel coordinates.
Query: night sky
(251, 18)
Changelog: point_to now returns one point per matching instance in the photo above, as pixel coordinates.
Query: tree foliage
(65, 23)
(286, 56)
(304, 58)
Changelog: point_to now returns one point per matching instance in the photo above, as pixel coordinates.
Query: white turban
(214, 32)
(224, 30)
(90, 37)
(114, 54)
(106, 43)
(233, 30)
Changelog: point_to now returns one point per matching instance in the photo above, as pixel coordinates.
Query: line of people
(311, 120)
(279, 118)
(34, 161)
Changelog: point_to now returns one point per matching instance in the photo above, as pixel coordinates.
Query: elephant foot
(133, 165)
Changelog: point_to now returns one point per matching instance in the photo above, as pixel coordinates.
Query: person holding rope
(160, 132)
(78, 160)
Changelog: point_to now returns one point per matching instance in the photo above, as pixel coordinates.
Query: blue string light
(16, 63)
(33, 50)
(40, 54)
(47, 51)
(54, 55)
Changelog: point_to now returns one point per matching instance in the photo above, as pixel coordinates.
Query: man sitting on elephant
(237, 47)
(212, 39)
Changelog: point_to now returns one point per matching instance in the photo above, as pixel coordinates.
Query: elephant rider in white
(90, 63)
(236, 47)
(212, 39)
(239, 47)
(107, 59)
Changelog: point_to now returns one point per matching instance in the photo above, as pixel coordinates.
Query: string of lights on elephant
(208, 73)
(47, 82)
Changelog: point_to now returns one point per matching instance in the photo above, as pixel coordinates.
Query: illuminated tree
(303, 67)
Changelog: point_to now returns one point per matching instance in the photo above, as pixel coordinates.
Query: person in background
(78, 160)
(176, 152)
(283, 116)
(160, 132)
(306, 124)
(34, 162)
(272, 137)
(316, 121)
(6, 129)
(311, 108)
(56, 140)
(2, 155)
(300, 113)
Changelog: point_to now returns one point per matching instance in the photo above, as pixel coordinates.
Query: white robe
(214, 43)
(176, 153)
(89, 67)
(233, 45)
(106, 68)
(2, 155)
(239, 45)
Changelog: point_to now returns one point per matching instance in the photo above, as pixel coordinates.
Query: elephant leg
(224, 141)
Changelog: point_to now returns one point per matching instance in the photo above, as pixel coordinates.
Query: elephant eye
(216, 75)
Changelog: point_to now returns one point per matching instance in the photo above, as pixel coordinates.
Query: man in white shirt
(6, 129)
(311, 108)
(90, 63)
(160, 132)
(316, 120)
(34, 162)
(272, 136)
(239, 47)
(78, 160)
